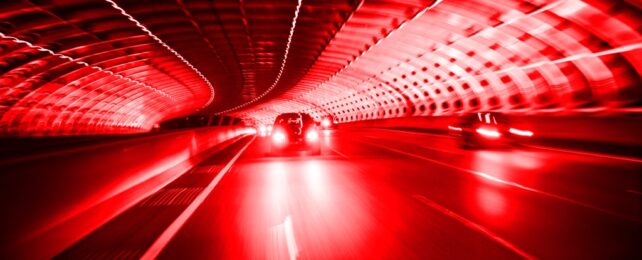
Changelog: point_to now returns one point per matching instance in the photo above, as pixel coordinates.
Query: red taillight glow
(312, 135)
(279, 137)
(520, 132)
(490, 133)
(454, 128)
(325, 122)
(262, 130)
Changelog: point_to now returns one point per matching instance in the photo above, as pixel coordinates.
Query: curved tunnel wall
(88, 70)
(105, 66)
(462, 56)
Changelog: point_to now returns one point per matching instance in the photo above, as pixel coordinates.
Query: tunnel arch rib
(119, 66)
(511, 56)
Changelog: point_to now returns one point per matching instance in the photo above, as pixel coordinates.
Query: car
(328, 122)
(486, 129)
(264, 130)
(295, 132)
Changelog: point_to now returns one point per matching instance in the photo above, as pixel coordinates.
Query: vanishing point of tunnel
(320, 129)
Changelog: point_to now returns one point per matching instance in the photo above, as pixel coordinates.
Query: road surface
(380, 193)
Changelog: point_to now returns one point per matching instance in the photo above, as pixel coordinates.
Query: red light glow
(477, 56)
(279, 137)
(519, 132)
(262, 130)
(325, 122)
(490, 133)
(492, 202)
(414, 136)
(312, 135)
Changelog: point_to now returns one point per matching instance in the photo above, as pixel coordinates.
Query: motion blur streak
(474, 226)
(64, 192)
(169, 233)
(382, 204)
(492, 177)
(62, 56)
(286, 52)
(520, 132)
(425, 129)
(352, 60)
(131, 18)
(490, 133)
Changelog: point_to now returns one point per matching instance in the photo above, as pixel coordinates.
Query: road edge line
(159, 244)
(473, 226)
(592, 154)
(510, 183)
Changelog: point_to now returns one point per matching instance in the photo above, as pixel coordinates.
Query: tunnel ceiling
(103, 66)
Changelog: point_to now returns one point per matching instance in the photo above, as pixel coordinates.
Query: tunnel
(320, 129)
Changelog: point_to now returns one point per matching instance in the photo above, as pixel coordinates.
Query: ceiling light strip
(281, 69)
(414, 17)
(71, 59)
(141, 26)
(309, 90)
(535, 65)
(505, 23)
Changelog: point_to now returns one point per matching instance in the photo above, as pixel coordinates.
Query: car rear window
(485, 118)
(293, 119)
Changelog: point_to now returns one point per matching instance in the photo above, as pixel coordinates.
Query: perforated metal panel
(103, 66)
(463, 56)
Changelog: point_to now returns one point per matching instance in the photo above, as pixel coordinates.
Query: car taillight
(519, 132)
(325, 122)
(278, 137)
(454, 128)
(490, 133)
(262, 130)
(312, 135)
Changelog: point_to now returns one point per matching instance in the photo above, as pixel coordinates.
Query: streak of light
(83, 63)
(161, 42)
(293, 250)
(507, 70)
(281, 69)
(510, 183)
(606, 156)
(167, 235)
(458, 129)
(635, 192)
(520, 132)
(474, 226)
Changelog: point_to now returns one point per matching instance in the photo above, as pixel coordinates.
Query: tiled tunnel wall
(103, 66)
(523, 57)
(74, 67)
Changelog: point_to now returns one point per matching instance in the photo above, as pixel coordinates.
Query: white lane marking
(634, 192)
(293, 250)
(167, 235)
(339, 153)
(600, 155)
(422, 146)
(513, 184)
(410, 132)
(473, 226)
